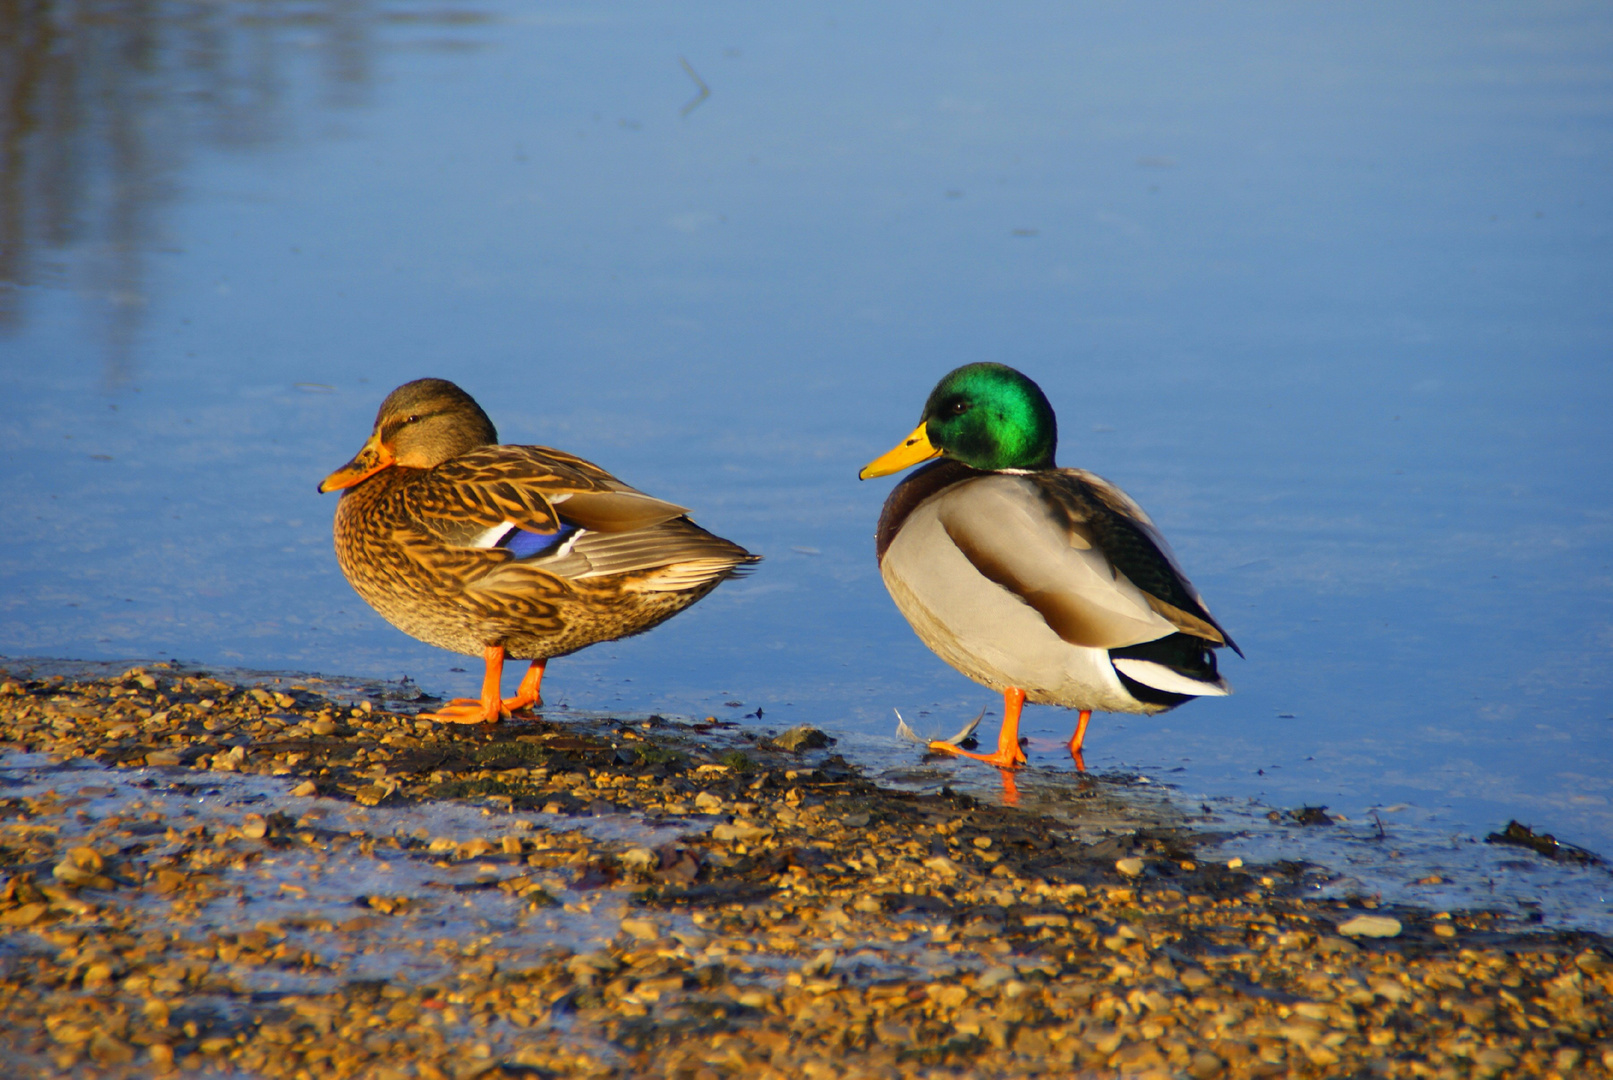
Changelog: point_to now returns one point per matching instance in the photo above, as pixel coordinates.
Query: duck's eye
(411, 419)
(959, 408)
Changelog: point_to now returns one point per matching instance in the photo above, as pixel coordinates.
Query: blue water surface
(1324, 287)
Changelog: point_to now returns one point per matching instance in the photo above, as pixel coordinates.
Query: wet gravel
(278, 879)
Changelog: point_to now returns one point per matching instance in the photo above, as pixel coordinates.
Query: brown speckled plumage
(429, 497)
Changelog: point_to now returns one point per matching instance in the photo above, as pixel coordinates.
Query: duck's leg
(490, 708)
(1008, 753)
(527, 693)
(1079, 738)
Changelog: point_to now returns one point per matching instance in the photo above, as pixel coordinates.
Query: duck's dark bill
(910, 451)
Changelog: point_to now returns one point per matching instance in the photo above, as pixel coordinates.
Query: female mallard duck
(1050, 585)
(518, 551)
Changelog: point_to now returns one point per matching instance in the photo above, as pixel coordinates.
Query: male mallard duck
(1050, 585)
(518, 551)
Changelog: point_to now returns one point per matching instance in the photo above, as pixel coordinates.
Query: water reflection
(106, 102)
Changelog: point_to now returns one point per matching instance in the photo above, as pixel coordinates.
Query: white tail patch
(1163, 678)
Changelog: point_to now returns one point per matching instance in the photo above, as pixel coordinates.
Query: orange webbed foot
(465, 711)
(489, 708)
(1009, 753)
(1003, 757)
(527, 695)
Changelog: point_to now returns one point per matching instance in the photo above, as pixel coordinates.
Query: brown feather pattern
(402, 536)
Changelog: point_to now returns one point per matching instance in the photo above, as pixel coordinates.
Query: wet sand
(291, 879)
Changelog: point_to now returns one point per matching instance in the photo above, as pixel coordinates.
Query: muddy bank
(291, 879)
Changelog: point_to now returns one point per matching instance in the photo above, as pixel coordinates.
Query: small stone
(107, 1049)
(942, 866)
(82, 866)
(821, 964)
(993, 976)
(25, 915)
(1234, 862)
(796, 739)
(372, 794)
(1195, 978)
(1205, 1066)
(307, 787)
(1381, 926)
(707, 803)
(642, 929)
(640, 858)
(1131, 867)
(1444, 930)
(254, 827)
(1591, 962)
(1322, 1055)
(740, 831)
(1390, 990)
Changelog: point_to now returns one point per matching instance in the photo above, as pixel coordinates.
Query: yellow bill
(910, 451)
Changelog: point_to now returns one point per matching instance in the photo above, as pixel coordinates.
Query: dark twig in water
(705, 91)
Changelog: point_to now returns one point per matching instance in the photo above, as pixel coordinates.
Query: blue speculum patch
(525, 545)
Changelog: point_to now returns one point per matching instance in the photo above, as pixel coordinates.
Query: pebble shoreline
(797, 920)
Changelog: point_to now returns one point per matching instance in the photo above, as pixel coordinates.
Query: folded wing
(1081, 553)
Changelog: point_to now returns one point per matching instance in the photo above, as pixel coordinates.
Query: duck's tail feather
(1169, 670)
(1163, 678)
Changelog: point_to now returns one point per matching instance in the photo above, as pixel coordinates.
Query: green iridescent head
(993, 418)
(985, 415)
